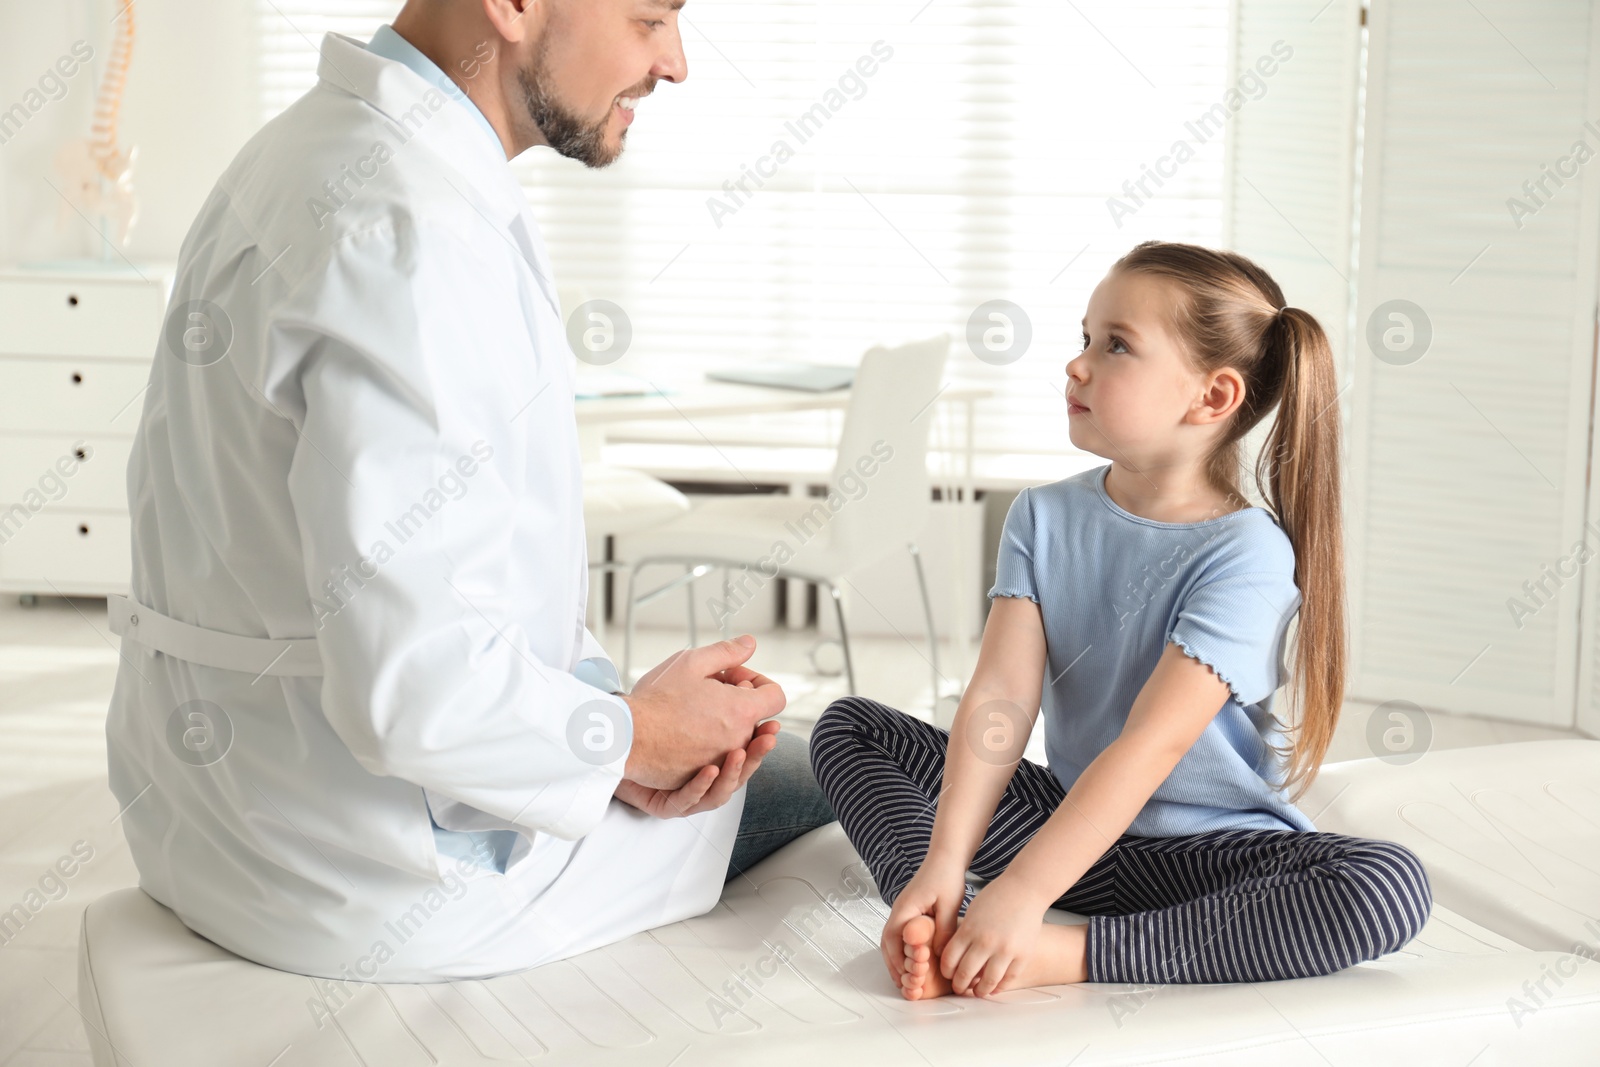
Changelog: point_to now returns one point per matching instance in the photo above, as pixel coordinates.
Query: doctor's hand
(713, 787)
(696, 710)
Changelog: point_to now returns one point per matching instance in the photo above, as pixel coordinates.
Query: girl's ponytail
(1298, 472)
(1231, 314)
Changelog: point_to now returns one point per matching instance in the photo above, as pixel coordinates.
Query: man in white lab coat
(360, 730)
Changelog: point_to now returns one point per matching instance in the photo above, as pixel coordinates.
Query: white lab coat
(385, 459)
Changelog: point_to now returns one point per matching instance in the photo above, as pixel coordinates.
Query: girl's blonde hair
(1231, 314)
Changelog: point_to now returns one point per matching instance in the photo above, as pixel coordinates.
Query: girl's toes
(918, 932)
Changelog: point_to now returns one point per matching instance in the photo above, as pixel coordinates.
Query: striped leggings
(1220, 906)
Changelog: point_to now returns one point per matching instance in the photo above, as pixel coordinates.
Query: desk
(693, 400)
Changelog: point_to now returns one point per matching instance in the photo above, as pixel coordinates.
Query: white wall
(189, 106)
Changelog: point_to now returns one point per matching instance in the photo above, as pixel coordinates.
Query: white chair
(891, 408)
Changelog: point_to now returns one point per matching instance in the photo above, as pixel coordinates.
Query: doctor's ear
(516, 20)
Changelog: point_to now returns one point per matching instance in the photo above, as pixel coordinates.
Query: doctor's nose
(671, 65)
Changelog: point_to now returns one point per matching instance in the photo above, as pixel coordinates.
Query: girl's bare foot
(921, 980)
(1058, 958)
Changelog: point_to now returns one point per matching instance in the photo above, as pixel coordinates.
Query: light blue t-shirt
(1113, 589)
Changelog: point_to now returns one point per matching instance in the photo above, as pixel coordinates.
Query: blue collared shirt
(391, 45)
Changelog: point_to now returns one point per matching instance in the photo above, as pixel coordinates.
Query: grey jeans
(782, 802)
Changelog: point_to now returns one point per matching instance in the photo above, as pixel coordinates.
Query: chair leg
(927, 615)
(688, 591)
(844, 639)
(627, 640)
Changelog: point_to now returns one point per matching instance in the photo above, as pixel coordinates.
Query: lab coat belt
(288, 658)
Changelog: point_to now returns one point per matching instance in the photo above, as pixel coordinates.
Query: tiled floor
(57, 665)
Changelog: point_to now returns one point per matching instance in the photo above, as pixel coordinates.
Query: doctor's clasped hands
(699, 729)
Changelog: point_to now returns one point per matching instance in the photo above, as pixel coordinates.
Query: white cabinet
(75, 352)
(1468, 345)
(1473, 394)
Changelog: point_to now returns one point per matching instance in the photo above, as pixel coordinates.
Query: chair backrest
(882, 464)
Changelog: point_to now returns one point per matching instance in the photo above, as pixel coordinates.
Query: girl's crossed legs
(1222, 906)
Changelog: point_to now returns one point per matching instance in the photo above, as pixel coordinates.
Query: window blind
(289, 41)
(834, 174)
(1292, 166)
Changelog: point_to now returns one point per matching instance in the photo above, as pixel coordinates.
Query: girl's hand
(1000, 929)
(936, 890)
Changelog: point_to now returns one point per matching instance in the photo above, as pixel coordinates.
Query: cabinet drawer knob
(83, 529)
(72, 299)
(77, 379)
(80, 453)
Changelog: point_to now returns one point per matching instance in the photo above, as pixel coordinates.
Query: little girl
(1145, 603)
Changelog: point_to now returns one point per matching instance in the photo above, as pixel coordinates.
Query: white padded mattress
(1509, 834)
(802, 932)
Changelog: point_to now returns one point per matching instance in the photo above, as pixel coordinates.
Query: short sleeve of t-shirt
(1013, 570)
(1234, 622)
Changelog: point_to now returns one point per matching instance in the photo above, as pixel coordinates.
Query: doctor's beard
(563, 130)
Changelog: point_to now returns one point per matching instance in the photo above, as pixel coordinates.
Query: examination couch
(786, 969)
